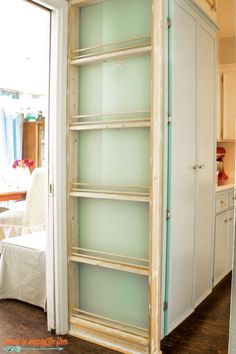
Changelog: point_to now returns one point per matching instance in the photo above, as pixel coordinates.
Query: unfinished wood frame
(121, 337)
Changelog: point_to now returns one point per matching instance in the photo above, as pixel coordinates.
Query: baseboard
(202, 297)
(180, 319)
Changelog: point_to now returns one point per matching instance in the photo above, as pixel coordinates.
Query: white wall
(24, 38)
(227, 50)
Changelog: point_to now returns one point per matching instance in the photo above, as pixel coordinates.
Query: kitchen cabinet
(226, 103)
(192, 183)
(224, 235)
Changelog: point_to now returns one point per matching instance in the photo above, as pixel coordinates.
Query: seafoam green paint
(169, 83)
(121, 85)
(114, 157)
(117, 295)
(114, 20)
(114, 226)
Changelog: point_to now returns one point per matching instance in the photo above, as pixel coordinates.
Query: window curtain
(11, 127)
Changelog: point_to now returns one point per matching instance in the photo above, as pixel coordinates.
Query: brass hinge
(165, 306)
(167, 214)
(168, 22)
(50, 189)
(169, 119)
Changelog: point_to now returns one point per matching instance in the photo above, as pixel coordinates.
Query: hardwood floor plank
(204, 332)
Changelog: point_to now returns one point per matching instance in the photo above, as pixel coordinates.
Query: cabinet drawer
(221, 203)
(231, 199)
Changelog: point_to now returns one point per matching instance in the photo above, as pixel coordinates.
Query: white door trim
(56, 256)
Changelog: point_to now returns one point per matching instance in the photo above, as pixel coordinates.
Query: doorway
(55, 156)
(24, 102)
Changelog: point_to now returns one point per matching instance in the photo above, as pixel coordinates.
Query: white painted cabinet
(205, 149)
(192, 159)
(230, 237)
(229, 105)
(224, 236)
(220, 263)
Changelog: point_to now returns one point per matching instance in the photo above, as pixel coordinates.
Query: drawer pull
(222, 202)
(230, 219)
(226, 220)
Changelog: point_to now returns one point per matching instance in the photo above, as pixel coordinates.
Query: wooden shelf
(112, 55)
(135, 197)
(125, 156)
(106, 263)
(84, 2)
(123, 338)
(124, 327)
(139, 123)
(130, 43)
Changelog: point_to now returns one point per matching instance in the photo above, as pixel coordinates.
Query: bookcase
(114, 172)
(34, 142)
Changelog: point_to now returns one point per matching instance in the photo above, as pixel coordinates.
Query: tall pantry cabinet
(114, 159)
(192, 182)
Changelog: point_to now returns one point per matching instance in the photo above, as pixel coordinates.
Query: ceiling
(226, 18)
(24, 38)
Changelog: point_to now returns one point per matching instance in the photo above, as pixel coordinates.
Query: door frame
(56, 253)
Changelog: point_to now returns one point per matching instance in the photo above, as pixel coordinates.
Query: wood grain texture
(12, 195)
(18, 319)
(32, 142)
(206, 331)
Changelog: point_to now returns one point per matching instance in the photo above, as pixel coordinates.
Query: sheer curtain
(11, 126)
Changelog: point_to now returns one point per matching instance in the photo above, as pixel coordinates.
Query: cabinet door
(182, 162)
(230, 236)
(203, 246)
(221, 245)
(229, 105)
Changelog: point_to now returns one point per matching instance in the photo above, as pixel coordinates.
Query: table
(10, 193)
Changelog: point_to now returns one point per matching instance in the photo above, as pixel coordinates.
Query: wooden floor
(206, 331)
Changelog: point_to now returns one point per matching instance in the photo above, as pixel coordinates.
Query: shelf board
(108, 255)
(106, 263)
(84, 2)
(128, 329)
(117, 124)
(106, 334)
(146, 49)
(226, 141)
(136, 197)
(111, 264)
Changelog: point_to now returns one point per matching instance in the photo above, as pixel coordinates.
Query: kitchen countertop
(228, 184)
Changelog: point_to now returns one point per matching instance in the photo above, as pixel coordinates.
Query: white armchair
(26, 216)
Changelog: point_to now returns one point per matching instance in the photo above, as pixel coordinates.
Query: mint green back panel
(122, 85)
(114, 20)
(114, 89)
(114, 226)
(114, 157)
(114, 294)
